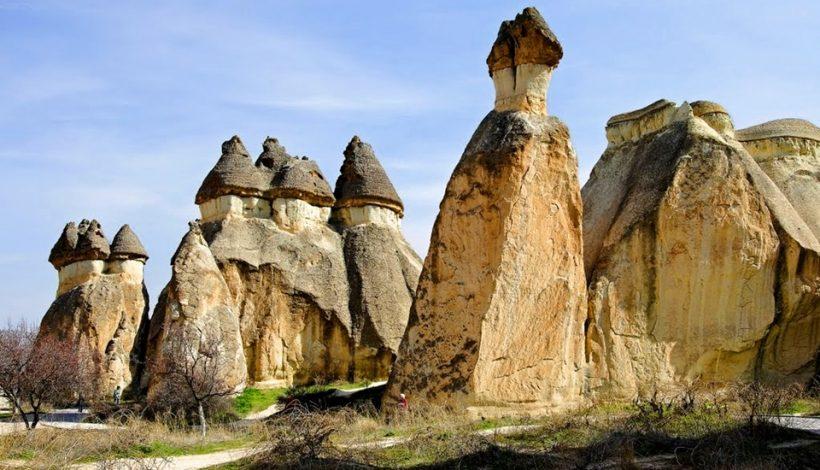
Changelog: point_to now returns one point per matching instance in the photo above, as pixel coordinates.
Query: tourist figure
(117, 395)
(403, 402)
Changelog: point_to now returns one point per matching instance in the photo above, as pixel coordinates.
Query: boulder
(500, 305)
(698, 266)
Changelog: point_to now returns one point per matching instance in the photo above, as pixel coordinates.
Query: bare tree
(193, 371)
(35, 372)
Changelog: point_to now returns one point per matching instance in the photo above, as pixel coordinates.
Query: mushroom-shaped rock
(521, 62)
(127, 245)
(363, 180)
(302, 179)
(233, 174)
(274, 155)
(91, 242)
(62, 252)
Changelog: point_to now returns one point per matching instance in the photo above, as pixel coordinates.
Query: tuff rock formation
(320, 290)
(195, 306)
(698, 265)
(499, 311)
(102, 303)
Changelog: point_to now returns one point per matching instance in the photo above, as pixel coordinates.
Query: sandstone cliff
(320, 291)
(102, 303)
(498, 315)
(698, 266)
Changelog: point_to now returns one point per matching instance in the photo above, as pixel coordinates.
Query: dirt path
(186, 462)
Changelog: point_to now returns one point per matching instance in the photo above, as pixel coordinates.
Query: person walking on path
(117, 395)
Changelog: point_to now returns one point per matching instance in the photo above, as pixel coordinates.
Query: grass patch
(803, 406)
(164, 449)
(253, 400)
(301, 390)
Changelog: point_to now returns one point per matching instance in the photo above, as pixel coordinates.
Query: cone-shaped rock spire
(363, 180)
(63, 250)
(127, 245)
(525, 40)
(234, 173)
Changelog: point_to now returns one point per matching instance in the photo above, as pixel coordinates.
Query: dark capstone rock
(363, 179)
(127, 245)
(525, 40)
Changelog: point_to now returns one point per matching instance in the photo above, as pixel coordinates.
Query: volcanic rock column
(499, 310)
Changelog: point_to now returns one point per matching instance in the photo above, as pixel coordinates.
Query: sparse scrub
(133, 439)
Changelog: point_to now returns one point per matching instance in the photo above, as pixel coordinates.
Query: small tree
(35, 372)
(193, 371)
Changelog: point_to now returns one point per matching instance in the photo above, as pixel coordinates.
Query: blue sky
(117, 112)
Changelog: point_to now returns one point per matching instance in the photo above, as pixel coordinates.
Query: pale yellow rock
(196, 304)
(693, 265)
(106, 317)
(498, 314)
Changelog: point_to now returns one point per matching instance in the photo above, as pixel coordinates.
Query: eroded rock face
(698, 266)
(196, 303)
(498, 314)
(318, 293)
(102, 303)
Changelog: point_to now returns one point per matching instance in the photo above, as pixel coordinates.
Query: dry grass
(701, 428)
(135, 438)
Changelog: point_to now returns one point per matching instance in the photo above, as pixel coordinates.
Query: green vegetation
(802, 407)
(164, 449)
(253, 400)
(301, 390)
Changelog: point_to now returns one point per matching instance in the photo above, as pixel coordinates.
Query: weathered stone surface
(196, 302)
(691, 254)
(382, 273)
(315, 299)
(525, 40)
(499, 310)
(100, 308)
(788, 150)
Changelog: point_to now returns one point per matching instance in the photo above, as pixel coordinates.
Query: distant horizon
(117, 112)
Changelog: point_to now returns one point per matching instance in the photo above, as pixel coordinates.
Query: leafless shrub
(192, 372)
(299, 437)
(37, 372)
(758, 400)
